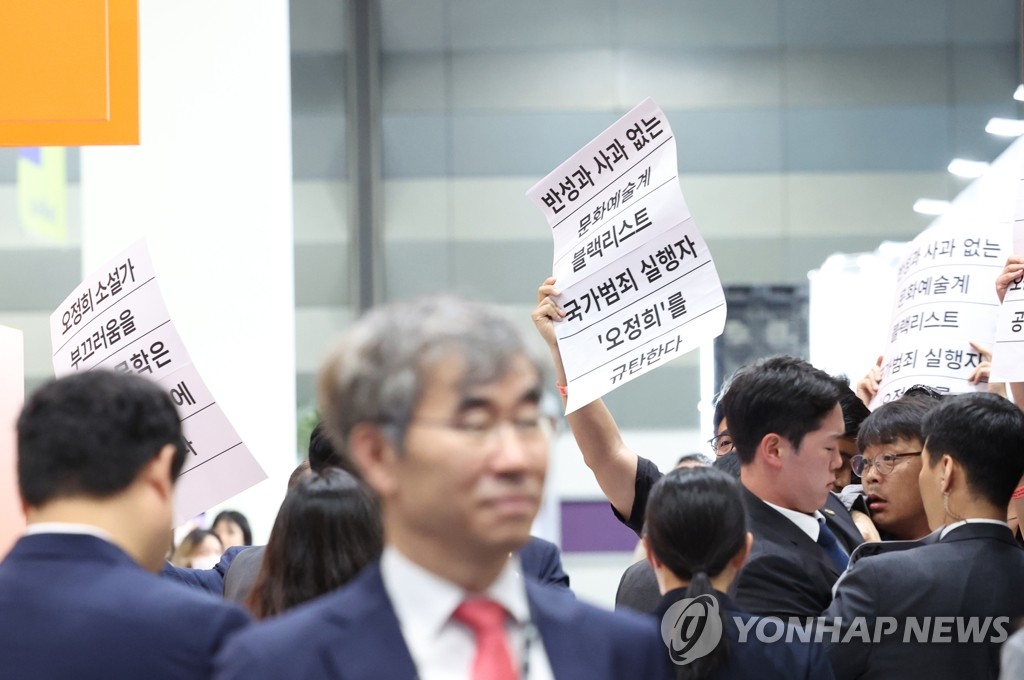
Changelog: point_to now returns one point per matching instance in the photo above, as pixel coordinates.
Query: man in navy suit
(957, 585)
(437, 402)
(98, 453)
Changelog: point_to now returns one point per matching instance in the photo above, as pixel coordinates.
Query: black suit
(971, 572)
(788, 574)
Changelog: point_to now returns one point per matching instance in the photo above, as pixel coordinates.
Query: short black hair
(985, 434)
(238, 518)
(782, 395)
(91, 433)
(694, 457)
(854, 410)
(323, 454)
(900, 419)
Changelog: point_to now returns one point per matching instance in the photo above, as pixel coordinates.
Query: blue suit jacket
(76, 606)
(354, 634)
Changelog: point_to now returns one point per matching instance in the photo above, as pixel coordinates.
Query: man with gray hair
(437, 402)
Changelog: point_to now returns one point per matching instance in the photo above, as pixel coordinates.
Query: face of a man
(471, 473)
(894, 499)
(809, 471)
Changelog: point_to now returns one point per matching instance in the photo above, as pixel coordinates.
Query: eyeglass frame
(714, 444)
(859, 461)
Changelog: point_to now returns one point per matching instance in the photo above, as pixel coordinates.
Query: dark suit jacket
(638, 589)
(788, 574)
(541, 561)
(75, 606)
(972, 572)
(354, 634)
(754, 658)
(209, 580)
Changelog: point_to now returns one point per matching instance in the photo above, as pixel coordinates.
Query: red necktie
(486, 618)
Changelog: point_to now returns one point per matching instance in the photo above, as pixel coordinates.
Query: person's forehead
(898, 445)
(453, 377)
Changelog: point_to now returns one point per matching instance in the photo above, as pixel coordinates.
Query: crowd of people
(824, 540)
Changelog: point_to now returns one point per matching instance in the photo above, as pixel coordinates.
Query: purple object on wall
(590, 526)
(32, 154)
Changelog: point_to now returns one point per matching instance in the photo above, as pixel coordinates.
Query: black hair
(695, 525)
(323, 454)
(718, 416)
(239, 519)
(985, 434)
(782, 395)
(854, 410)
(328, 528)
(900, 419)
(694, 457)
(91, 433)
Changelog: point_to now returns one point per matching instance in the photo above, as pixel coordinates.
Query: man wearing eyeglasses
(437, 402)
(890, 441)
(947, 603)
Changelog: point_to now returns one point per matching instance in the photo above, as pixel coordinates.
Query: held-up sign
(116, 319)
(1008, 351)
(638, 283)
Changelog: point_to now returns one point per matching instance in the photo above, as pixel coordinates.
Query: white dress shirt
(806, 523)
(978, 520)
(443, 649)
(67, 528)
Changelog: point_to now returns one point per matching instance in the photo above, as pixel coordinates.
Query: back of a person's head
(984, 433)
(893, 421)
(323, 454)
(89, 434)
(782, 395)
(328, 528)
(854, 410)
(696, 525)
(377, 371)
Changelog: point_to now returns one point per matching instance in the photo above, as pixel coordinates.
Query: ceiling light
(930, 206)
(1019, 93)
(965, 168)
(1005, 127)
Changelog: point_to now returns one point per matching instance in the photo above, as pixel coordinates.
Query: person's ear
(156, 474)
(652, 559)
(949, 472)
(770, 449)
(740, 557)
(375, 456)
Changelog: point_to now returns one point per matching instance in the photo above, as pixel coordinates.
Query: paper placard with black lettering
(637, 280)
(1008, 351)
(945, 300)
(117, 320)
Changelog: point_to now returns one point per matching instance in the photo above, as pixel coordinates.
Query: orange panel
(69, 72)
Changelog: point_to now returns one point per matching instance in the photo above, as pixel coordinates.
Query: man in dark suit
(437, 402)
(964, 570)
(785, 422)
(98, 453)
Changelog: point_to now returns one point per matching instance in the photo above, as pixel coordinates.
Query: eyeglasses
(884, 463)
(721, 444)
(527, 429)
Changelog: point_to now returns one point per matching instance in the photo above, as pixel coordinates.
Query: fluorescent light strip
(930, 206)
(1005, 127)
(962, 167)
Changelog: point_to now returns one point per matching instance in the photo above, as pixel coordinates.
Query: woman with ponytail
(696, 540)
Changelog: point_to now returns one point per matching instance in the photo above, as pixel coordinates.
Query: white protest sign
(1008, 352)
(117, 319)
(638, 283)
(945, 300)
(12, 393)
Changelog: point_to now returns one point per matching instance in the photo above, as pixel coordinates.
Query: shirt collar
(956, 525)
(68, 528)
(424, 602)
(806, 523)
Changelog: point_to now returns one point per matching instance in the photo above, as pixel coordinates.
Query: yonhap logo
(691, 628)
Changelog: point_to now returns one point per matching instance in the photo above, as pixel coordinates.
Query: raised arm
(612, 462)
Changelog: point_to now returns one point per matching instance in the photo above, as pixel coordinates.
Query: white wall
(210, 187)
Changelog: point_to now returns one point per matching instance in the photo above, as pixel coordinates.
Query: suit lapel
(370, 643)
